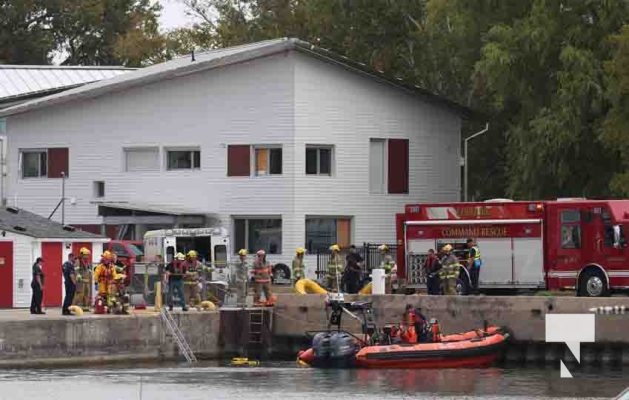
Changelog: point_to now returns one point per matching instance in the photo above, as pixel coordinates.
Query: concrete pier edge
(34, 341)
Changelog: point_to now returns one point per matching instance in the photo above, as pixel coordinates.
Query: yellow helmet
(107, 255)
(242, 252)
(180, 256)
(447, 248)
(335, 247)
(383, 247)
(84, 251)
(300, 250)
(193, 254)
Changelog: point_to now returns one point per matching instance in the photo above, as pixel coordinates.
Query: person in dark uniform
(432, 267)
(69, 279)
(37, 284)
(352, 274)
(474, 262)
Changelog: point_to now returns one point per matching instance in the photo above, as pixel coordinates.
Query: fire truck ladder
(175, 332)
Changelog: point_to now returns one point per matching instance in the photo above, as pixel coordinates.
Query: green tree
(23, 36)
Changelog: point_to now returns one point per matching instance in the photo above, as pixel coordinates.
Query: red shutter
(398, 166)
(58, 162)
(238, 160)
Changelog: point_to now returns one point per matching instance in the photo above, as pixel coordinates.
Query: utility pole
(63, 198)
(465, 156)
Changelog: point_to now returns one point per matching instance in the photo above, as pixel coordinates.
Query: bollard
(158, 296)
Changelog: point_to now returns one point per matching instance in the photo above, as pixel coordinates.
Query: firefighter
(299, 269)
(474, 263)
(262, 271)
(83, 269)
(175, 271)
(105, 275)
(389, 266)
(193, 281)
(432, 266)
(449, 272)
(335, 269)
(239, 279)
(407, 327)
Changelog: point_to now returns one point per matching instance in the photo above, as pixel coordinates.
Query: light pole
(63, 198)
(465, 155)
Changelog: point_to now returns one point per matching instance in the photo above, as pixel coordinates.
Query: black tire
(592, 283)
(463, 284)
(281, 271)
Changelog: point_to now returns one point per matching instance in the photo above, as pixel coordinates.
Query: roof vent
(69, 228)
(19, 228)
(13, 210)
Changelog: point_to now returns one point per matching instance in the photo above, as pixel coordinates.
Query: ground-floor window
(322, 232)
(256, 234)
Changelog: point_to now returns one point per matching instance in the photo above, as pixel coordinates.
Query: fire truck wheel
(592, 284)
(462, 286)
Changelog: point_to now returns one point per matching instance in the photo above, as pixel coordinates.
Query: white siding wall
(335, 106)
(22, 268)
(288, 99)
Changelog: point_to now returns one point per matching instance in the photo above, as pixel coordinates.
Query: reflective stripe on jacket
(298, 268)
(262, 272)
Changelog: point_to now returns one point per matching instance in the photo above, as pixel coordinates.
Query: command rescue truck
(573, 244)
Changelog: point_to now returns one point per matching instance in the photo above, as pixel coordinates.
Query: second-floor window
(183, 159)
(44, 163)
(259, 160)
(268, 160)
(318, 160)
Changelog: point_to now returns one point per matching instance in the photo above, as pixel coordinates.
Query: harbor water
(285, 381)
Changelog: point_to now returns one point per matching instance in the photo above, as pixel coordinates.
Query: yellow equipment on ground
(366, 289)
(244, 362)
(76, 310)
(308, 286)
(207, 305)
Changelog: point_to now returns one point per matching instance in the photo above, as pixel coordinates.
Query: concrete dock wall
(64, 340)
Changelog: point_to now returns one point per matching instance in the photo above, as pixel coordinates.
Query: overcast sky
(173, 14)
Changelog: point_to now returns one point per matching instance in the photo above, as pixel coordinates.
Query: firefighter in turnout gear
(449, 272)
(262, 271)
(193, 281)
(390, 268)
(106, 276)
(83, 269)
(335, 269)
(239, 279)
(175, 271)
(299, 269)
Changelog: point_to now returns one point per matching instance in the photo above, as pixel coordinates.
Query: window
(570, 229)
(388, 166)
(318, 160)
(220, 255)
(183, 159)
(45, 163)
(141, 159)
(614, 234)
(268, 161)
(99, 189)
(321, 233)
(256, 234)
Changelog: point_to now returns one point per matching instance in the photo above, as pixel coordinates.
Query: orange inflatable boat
(479, 352)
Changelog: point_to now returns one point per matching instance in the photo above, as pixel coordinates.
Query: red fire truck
(573, 244)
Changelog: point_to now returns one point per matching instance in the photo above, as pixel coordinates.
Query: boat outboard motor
(336, 349)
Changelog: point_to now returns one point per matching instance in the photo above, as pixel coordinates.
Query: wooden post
(158, 296)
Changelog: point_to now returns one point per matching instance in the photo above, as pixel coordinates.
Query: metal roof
(147, 208)
(214, 59)
(20, 81)
(26, 223)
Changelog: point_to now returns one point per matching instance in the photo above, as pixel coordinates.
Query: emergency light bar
(475, 222)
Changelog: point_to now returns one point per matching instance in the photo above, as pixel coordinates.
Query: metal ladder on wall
(175, 332)
(256, 324)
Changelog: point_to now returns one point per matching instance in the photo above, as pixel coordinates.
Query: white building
(283, 143)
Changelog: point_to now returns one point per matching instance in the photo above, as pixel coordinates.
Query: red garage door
(6, 274)
(52, 253)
